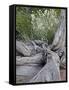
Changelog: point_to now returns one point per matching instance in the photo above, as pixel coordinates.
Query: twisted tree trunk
(39, 62)
(50, 71)
(59, 42)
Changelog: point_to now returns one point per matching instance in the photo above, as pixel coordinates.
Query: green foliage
(23, 23)
(45, 23)
(36, 23)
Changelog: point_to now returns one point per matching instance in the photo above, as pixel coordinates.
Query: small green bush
(36, 23)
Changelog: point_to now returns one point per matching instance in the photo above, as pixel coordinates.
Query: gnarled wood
(50, 72)
(23, 48)
(41, 62)
(60, 36)
(36, 59)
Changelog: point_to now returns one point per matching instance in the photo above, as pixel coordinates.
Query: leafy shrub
(36, 23)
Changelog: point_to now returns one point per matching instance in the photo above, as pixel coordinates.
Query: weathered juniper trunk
(50, 71)
(27, 49)
(36, 59)
(40, 63)
(22, 48)
(59, 42)
(60, 36)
